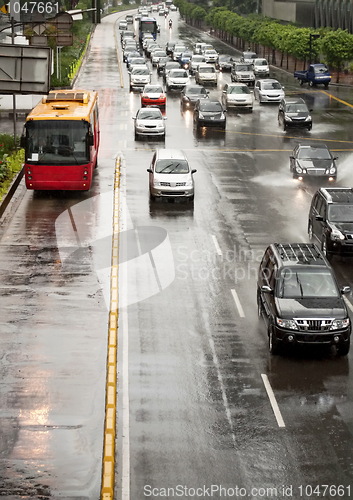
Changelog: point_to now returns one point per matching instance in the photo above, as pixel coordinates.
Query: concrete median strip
(108, 465)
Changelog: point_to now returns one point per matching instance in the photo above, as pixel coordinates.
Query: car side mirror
(164, 117)
(319, 218)
(291, 157)
(345, 290)
(266, 289)
(335, 157)
(149, 170)
(193, 171)
(23, 141)
(224, 91)
(133, 117)
(90, 139)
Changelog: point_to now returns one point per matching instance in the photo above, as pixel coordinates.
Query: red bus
(61, 140)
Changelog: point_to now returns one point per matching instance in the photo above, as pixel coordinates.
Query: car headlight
(201, 115)
(287, 323)
(223, 116)
(338, 324)
(332, 170)
(298, 169)
(287, 118)
(188, 183)
(336, 235)
(308, 118)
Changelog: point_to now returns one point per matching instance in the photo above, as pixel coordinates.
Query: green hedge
(11, 161)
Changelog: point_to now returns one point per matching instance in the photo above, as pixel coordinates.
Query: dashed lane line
(238, 303)
(273, 400)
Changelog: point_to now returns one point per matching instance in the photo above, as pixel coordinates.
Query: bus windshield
(61, 142)
(148, 26)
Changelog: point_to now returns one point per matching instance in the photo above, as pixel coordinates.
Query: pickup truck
(315, 74)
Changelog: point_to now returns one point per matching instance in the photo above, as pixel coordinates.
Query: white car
(206, 73)
(261, 67)
(139, 77)
(123, 25)
(170, 175)
(195, 60)
(149, 122)
(237, 95)
(177, 79)
(268, 90)
(243, 73)
(156, 55)
(211, 56)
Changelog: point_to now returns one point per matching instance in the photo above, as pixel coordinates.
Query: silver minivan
(170, 175)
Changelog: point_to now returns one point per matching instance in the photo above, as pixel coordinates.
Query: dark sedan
(191, 94)
(209, 113)
(313, 161)
(224, 62)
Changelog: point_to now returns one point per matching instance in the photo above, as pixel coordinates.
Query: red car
(153, 95)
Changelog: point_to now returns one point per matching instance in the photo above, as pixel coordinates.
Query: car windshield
(340, 213)
(271, 86)
(306, 283)
(140, 71)
(149, 114)
(310, 153)
(260, 62)
(178, 74)
(297, 108)
(320, 69)
(211, 106)
(170, 166)
(243, 67)
(238, 90)
(196, 90)
(153, 89)
(207, 69)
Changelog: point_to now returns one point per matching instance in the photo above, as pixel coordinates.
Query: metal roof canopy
(24, 69)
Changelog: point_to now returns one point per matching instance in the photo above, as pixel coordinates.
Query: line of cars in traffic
(177, 64)
(297, 292)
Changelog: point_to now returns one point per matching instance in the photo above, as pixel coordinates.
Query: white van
(261, 67)
(170, 175)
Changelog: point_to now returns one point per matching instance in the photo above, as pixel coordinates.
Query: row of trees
(334, 47)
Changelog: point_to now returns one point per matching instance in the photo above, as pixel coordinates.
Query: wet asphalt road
(193, 355)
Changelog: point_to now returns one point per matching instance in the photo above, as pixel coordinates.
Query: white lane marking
(223, 390)
(273, 401)
(238, 304)
(124, 341)
(218, 248)
(349, 304)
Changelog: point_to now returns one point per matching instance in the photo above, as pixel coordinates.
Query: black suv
(298, 296)
(331, 220)
(294, 113)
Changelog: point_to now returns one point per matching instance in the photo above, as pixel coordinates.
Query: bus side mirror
(23, 141)
(90, 139)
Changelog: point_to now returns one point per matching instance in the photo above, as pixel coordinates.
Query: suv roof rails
(338, 194)
(300, 252)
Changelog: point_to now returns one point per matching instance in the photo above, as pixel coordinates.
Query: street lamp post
(312, 36)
